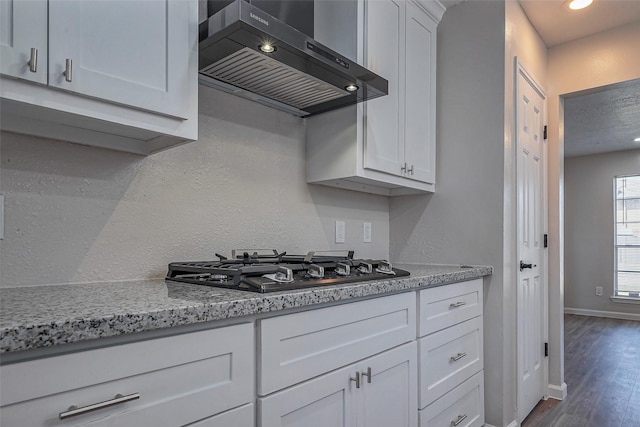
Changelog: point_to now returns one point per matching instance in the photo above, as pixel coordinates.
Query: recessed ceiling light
(636, 140)
(351, 88)
(579, 4)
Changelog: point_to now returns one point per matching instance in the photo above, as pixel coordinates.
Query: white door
(531, 281)
(390, 399)
(115, 55)
(23, 38)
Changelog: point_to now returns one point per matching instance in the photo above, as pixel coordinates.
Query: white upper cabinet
(119, 75)
(385, 145)
(127, 53)
(23, 40)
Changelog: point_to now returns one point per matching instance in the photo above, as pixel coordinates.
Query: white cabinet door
(23, 27)
(387, 398)
(383, 116)
(390, 399)
(420, 106)
(239, 417)
(128, 52)
(325, 401)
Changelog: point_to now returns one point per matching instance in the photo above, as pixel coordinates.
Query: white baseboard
(598, 313)
(558, 392)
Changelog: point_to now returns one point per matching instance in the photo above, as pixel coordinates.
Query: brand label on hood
(260, 20)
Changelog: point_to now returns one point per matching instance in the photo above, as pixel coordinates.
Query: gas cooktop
(262, 270)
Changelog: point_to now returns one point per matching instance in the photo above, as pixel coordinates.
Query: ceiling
(558, 24)
(603, 119)
(599, 121)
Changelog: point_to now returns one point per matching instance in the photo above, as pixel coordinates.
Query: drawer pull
(458, 420)
(457, 357)
(368, 375)
(356, 379)
(457, 304)
(74, 410)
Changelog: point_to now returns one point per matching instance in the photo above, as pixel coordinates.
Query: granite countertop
(45, 316)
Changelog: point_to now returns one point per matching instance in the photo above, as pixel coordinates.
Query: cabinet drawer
(461, 407)
(300, 346)
(447, 305)
(449, 357)
(179, 379)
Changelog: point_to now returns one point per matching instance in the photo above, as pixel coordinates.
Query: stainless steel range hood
(301, 76)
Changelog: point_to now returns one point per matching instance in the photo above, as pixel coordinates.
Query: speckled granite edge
(21, 330)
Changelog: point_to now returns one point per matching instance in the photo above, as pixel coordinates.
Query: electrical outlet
(340, 231)
(366, 232)
(599, 291)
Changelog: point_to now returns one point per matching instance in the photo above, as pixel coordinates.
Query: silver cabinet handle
(457, 304)
(356, 379)
(33, 60)
(404, 168)
(458, 420)
(68, 70)
(368, 375)
(457, 357)
(74, 410)
(410, 170)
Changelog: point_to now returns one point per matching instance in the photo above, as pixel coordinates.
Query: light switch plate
(340, 231)
(1, 216)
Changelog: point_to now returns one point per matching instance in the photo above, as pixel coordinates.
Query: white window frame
(615, 297)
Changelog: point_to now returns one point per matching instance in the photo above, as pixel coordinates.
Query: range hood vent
(301, 76)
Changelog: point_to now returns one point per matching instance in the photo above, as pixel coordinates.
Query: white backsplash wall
(76, 214)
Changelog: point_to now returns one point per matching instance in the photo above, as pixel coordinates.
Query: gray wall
(80, 214)
(589, 229)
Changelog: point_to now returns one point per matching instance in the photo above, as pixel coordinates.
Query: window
(627, 244)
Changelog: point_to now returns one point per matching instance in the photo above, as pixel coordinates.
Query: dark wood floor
(602, 372)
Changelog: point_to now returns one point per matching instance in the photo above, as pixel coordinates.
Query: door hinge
(544, 132)
(545, 241)
(546, 349)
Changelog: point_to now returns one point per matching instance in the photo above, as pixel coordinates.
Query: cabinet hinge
(544, 132)
(546, 349)
(546, 241)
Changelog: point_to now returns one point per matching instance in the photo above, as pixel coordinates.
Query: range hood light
(267, 47)
(351, 88)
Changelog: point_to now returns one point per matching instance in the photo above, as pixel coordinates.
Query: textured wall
(80, 214)
(589, 228)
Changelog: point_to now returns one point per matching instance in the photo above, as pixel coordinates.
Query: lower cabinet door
(390, 398)
(325, 401)
(461, 407)
(239, 417)
(380, 391)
